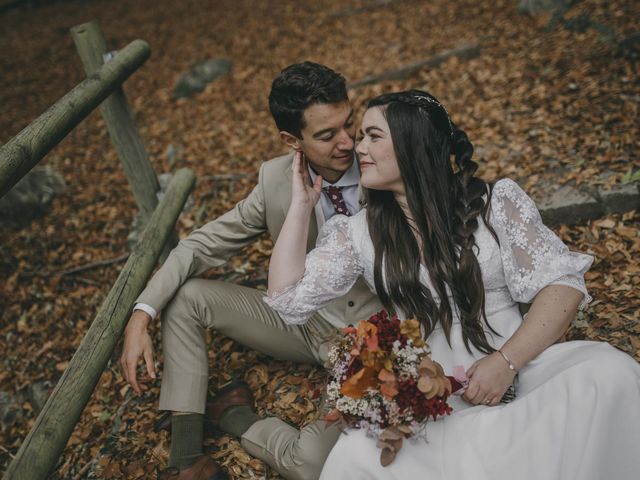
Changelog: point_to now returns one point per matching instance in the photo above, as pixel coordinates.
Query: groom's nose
(345, 141)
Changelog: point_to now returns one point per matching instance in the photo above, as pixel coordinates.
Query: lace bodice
(528, 258)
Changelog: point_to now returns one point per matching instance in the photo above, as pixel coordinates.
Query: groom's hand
(137, 343)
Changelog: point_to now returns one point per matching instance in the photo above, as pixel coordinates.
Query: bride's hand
(489, 379)
(303, 193)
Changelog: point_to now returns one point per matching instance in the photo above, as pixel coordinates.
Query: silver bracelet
(506, 359)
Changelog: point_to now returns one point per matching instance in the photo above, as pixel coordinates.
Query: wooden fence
(40, 451)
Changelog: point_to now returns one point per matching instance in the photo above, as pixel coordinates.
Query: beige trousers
(239, 313)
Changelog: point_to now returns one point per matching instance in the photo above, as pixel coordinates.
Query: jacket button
(351, 304)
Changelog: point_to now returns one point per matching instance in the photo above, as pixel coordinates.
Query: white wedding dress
(577, 411)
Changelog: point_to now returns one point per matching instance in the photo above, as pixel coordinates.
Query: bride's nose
(361, 148)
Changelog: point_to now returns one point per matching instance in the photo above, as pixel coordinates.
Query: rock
(137, 226)
(569, 205)
(164, 179)
(629, 46)
(32, 195)
(174, 153)
(200, 75)
(38, 393)
(11, 408)
(621, 198)
(8, 410)
(533, 7)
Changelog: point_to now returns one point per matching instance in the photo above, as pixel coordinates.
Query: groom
(311, 109)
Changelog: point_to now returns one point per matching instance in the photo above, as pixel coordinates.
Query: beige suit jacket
(263, 210)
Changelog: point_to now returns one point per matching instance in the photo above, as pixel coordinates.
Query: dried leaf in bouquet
(390, 441)
(357, 385)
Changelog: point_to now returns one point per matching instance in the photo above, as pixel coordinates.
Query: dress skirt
(576, 416)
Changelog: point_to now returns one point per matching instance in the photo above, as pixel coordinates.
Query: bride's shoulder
(507, 196)
(506, 187)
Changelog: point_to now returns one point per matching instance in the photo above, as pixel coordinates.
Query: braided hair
(445, 206)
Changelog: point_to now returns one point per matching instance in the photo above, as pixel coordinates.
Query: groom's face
(328, 138)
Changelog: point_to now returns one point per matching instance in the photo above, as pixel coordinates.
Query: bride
(458, 255)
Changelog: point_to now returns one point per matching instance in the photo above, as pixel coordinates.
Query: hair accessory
(420, 97)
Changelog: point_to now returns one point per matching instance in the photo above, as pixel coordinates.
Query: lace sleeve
(533, 257)
(331, 269)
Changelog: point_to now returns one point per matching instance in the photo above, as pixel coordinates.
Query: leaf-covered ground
(543, 106)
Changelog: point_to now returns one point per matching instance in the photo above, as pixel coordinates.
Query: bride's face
(378, 165)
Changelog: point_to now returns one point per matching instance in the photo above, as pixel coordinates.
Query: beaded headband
(421, 97)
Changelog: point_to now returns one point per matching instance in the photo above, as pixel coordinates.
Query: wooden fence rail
(27, 148)
(92, 47)
(40, 451)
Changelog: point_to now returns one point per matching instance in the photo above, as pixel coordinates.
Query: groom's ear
(290, 140)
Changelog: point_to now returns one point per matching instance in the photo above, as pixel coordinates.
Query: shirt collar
(351, 177)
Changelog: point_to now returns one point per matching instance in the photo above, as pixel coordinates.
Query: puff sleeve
(331, 269)
(533, 257)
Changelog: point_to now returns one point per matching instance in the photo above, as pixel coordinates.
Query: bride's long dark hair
(445, 207)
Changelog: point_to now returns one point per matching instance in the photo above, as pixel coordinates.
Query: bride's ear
(290, 140)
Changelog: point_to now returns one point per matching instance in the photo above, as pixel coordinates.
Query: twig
(81, 268)
(82, 471)
(223, 177)
(86, 281)
(465, 51)
(346, 12)
(99, 263)
(6, 451)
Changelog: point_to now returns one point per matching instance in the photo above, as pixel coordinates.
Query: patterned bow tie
(335, 195)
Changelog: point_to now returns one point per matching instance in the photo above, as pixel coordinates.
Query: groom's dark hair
(298, 87)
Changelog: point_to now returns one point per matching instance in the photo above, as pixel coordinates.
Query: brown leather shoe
(235, 394)
(204, 469)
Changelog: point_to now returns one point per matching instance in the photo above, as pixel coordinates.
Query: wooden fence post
(92, 47)
(29, 146)
(40, 451)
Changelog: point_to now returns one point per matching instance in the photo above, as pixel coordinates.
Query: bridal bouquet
(382, 379)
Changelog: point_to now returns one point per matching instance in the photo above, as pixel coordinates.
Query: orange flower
(389, 385)
(349, 330)
(367, 330)
(357, 385)
(372, 343)
(371, 359)
(411, 328)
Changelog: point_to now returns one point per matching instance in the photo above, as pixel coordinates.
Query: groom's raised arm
(210, 246)
(205, 248)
